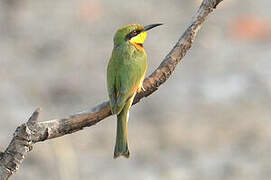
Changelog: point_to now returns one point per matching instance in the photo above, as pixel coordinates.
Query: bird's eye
(134, 33)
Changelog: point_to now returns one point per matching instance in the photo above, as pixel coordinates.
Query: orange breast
(138, 46)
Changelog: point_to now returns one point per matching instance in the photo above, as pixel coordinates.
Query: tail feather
(121, 146)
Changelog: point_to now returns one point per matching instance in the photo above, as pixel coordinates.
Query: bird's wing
(124, 75)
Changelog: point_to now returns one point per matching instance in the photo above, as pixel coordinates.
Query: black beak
(148, 27)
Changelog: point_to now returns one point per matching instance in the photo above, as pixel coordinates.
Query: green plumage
(125, 74)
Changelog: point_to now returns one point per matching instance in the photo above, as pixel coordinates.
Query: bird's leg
(143, 89)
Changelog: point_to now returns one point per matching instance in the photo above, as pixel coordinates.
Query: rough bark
(33, 131)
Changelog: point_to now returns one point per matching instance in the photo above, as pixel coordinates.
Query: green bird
(125, 74)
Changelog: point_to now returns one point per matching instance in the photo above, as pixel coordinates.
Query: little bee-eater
(125, 74)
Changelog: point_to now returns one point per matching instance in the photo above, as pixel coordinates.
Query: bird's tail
(121, 146)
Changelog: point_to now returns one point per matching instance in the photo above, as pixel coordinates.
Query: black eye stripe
(132, 34)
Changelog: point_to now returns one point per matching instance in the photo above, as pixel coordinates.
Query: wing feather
(124, 76)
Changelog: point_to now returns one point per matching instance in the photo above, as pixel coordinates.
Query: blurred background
(210, 120)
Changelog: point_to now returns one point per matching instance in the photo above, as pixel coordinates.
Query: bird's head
(133, 33)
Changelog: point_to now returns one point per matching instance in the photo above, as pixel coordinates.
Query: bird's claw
(143, 89)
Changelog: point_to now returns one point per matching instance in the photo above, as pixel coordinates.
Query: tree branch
(33, 131)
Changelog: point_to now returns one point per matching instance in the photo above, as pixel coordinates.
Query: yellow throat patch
(139, 39)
